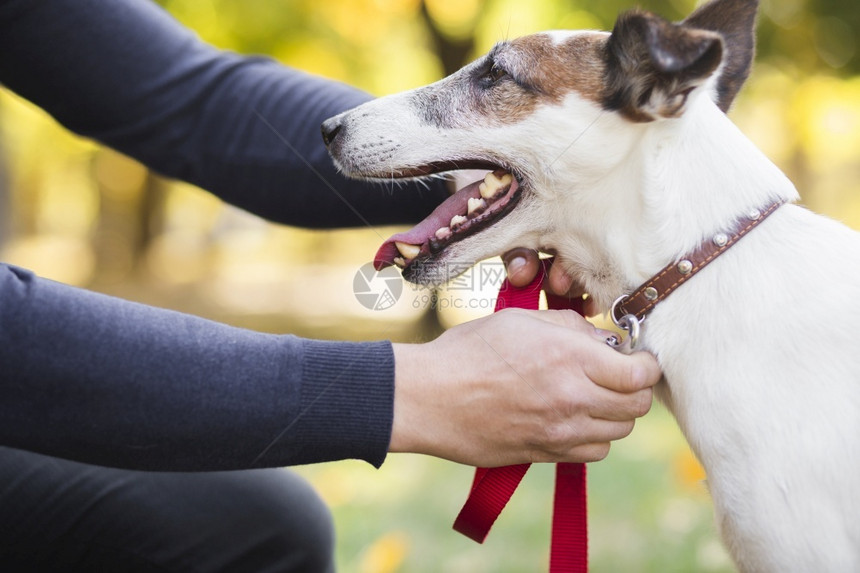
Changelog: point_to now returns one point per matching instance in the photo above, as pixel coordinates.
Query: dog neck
(681, 181)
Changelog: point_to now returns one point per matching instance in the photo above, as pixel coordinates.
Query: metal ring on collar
(613, 311)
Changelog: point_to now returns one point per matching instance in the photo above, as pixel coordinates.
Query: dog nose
(330, 128)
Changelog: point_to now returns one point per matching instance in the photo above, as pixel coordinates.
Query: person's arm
(101, 380)
(247, 129)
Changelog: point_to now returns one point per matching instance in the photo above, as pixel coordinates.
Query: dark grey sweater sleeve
(247, 129)
(101, 380)
(96, 379)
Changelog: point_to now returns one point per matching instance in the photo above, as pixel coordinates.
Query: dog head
(553, 118)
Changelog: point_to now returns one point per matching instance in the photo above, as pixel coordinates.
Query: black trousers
(57, 515)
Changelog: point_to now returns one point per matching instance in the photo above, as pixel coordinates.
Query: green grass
(648, 512)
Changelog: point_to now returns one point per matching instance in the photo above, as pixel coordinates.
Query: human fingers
(585, 441)
(601, 364)
(561, 283)
(580, 453)
(522, 266)
(585, 453)
(620, 372)
(605, 404)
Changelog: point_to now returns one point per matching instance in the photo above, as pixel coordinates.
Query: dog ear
(735, 21)
(652, 65)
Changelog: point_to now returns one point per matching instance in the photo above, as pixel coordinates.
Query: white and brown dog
(614, 150)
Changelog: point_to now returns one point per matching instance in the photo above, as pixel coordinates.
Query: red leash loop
(493, 487)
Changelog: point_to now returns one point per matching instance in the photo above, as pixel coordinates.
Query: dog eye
(496, 73)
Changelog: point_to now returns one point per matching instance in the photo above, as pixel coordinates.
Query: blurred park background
(78, 213)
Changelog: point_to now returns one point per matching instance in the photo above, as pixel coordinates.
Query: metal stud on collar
(650, 293)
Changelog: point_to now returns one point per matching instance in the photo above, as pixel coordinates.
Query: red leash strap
(492, 488)
(491, 491)
(569, 545)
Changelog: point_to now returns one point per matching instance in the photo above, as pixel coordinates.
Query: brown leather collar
(641, 301)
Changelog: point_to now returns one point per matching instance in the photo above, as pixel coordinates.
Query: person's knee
(301, 525)
(275, 522)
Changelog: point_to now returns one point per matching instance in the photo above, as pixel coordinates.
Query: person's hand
(515, 387)
(522, 266)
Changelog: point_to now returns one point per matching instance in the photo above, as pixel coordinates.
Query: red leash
(492, 488)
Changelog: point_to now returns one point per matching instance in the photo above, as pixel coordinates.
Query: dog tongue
(456, 204)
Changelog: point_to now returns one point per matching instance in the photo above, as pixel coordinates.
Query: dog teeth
(408, 251)
(457, 220)
(475, 204)
(399, 261)
(486, 193)
(443, 233)
(492, 184)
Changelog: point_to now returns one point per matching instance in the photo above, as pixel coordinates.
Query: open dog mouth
(471, 209)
